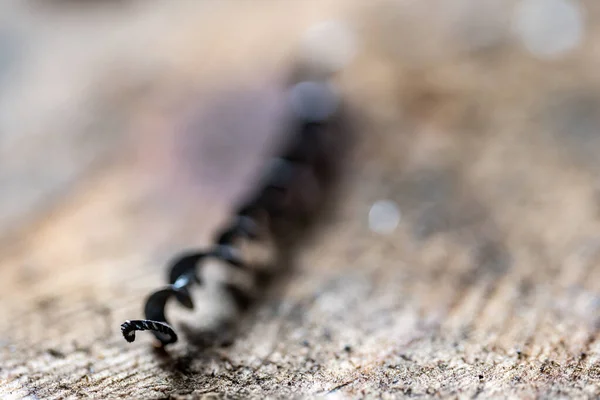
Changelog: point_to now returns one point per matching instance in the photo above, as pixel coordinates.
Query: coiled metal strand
(313, 104)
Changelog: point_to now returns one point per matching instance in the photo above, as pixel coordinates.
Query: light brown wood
(488, 288)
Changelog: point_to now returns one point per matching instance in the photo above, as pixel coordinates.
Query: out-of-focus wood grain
(489, 287)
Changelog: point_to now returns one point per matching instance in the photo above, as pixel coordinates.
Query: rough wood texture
(488, 288)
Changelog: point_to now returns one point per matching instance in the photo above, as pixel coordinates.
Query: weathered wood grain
(488, 288)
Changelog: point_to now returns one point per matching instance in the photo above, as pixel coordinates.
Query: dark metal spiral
(313, 103)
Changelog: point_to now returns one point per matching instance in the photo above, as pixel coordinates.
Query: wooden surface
(488, 288)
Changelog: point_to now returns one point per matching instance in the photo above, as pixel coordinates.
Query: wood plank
(488, 287)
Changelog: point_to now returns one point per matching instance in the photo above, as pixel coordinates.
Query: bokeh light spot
(549, 28)
(384, 216)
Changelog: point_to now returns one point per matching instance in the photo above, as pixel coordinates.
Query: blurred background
(463, 260)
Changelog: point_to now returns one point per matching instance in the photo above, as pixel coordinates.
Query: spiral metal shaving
(313, 104)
